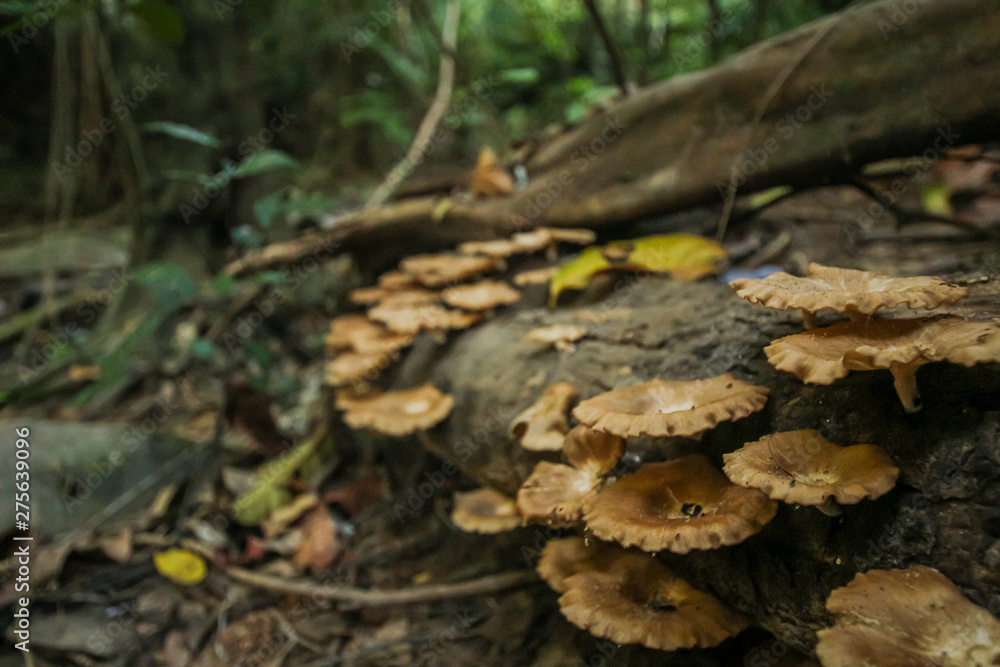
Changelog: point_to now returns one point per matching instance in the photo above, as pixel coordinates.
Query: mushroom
(485, 511)
(805, 468)
(500, 248)
(415, 318)
(635, 599)
(388, 284)
(347, 329)
(821, 356)
(542, 427)
(561, 335)
(488, 178)
(856, 293)
(914, 616)
(481, 296)
(400, 412)
(351, 366)
(535, 276)
(554, 494)
(440, 270)
(548, 238)
(562, 558)
(681, 409)
(680, 505)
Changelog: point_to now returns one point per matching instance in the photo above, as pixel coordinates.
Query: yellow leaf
(764, 198)
(937, 200)
(683, 256)
(181, 566)
(577, 272)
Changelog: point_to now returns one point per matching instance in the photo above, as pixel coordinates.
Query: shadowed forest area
(545, 332)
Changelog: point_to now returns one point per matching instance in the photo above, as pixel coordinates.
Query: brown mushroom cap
(396, 280)
(544, 237)
(346, 329)
(415, 318)
(400, 412)
(501, 248)
(594, 452)
(485, 511)
(914, 617)
(535, 276)
(638, 600)
(821, 356)
(554, 494)
(846, 290)
(542, 427)
(805, 468)
(350, 366)
(680, 505)
(561, 335)
(484, 295)
(563, 557)
(660, 408)
(388, 284)
(439, 270)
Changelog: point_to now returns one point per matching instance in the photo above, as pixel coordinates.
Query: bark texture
(944, 512)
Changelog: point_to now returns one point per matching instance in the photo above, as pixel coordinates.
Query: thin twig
(614, 54)
(442, 99)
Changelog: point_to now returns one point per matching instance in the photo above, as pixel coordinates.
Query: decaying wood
(886, 79)
(944, 512)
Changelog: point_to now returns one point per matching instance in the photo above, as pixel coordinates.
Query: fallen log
(878, 80)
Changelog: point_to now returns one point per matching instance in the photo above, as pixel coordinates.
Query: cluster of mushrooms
(608, 585)
(610, 588)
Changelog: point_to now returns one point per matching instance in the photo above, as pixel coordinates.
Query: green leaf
(223, 284)
(170, 284)
(937, 200)
(268, 491)
(520, 75)
(265, 209)
(160, 19)
(182, 132)
(764, 198)
(201, 348)
(264, 161)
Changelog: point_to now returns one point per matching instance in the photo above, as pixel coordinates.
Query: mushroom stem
(905, 381)
(808, 320)
(830, 508)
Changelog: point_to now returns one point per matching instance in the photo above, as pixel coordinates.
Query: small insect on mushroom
(915, 616)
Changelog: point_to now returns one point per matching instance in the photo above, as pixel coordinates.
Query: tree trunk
(944, 511)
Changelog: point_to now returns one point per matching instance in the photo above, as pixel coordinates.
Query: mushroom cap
(535, 276)
(496, 248)
(388, 283)
(543, 237)
(557, 333)
(400, 412)
(846, 290)
(594, 452)
(553, 495)
(542, 427)
(481, 296)
(415, 318)
(440, 270)
(638, 600)
(805, 468)
(396, 280)
(409, 296)
(660, 408)
(563, 557)
(351, 366)
(346, 329)
(485, 511)
(821, 356)
(680, 505)
(914, 617)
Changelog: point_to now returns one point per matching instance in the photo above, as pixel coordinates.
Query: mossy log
(944, 512)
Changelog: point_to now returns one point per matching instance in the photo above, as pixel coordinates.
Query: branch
(442, 99)
(609, 44)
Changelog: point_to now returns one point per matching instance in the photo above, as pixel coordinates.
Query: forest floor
(366, 515)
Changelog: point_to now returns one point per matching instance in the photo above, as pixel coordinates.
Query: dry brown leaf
(321, 546)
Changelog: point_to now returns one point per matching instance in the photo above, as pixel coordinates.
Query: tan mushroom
(594, 452)
(553, 495)
(500, 248)
(543, 426)
(914, 617)
(548, 238)
(535, 276)
(638, 600)
(400, 412)
(416, 318)
(488, 178)
(347, 329)
(821, 356)
(351, 367)
(805, 468)
(388, 284)
(562, 558)
(485, 511)
(441, 270)
(856, 293)
(481, 296)
(680, 505)
(681, 409)
(562, 336)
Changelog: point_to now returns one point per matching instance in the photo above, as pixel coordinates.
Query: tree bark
(944, 511)
(868, 83)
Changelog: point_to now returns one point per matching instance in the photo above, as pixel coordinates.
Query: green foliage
(159, 19)
(182, 132)
(264, 161)
(170, 285)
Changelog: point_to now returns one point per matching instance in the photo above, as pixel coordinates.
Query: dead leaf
(117, 547)
(488, 178)
(321, 545)
(360, 494)
(288, 514)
